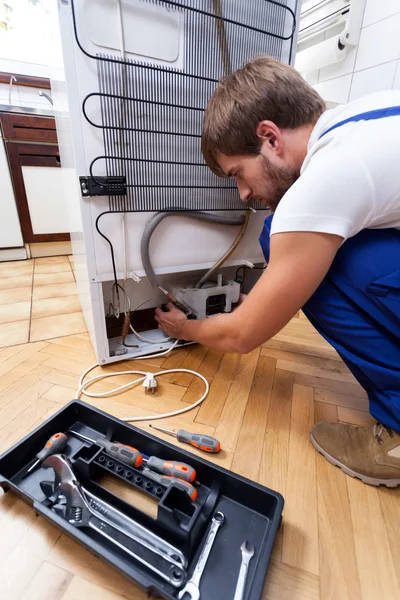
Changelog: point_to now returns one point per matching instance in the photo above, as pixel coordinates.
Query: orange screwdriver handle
(54, 445)
(167, 481)
(202, 442)
(172, 468)
(126, 454)
(188, 487)
(185, 485)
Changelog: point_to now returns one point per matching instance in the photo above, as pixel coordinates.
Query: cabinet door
(28, 128)
(10, 229)
(37, 183)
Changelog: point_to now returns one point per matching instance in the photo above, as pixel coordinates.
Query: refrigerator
(129, 101)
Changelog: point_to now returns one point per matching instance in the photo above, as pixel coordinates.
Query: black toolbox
(252, 512)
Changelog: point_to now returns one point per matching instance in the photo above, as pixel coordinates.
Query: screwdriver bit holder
(176, 512)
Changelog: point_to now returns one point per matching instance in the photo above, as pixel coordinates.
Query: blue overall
(356, 308)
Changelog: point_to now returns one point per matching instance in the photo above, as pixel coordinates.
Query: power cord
(138, 335)
(247, 267)
(148, 378)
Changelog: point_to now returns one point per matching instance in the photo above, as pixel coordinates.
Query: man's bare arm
(298, 263)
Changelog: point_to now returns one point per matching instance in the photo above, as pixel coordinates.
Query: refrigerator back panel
(141, 75)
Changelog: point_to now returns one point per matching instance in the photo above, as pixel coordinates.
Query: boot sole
(390, 483)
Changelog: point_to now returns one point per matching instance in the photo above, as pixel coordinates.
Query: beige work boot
(370, 453)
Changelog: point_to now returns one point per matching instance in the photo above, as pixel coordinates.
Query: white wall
(32, 47)
(374, 65)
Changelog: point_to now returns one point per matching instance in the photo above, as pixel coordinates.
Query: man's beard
(279, 179)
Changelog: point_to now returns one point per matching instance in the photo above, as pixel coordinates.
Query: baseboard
(41, 249)
(13, 254)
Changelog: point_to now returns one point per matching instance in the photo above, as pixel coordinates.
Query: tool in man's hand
(185, 308)
(247, 554)
(171, 468)
(126, 454)
(202, 442)
(187, 487)
(54, 445)
(192, 586)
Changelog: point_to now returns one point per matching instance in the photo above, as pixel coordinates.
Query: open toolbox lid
(252, 512)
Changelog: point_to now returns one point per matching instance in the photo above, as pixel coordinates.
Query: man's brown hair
(263, 89)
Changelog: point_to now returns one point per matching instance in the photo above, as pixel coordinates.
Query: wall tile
(373, 80)
(311, 77)
(335, 90)
(379, 43)
(376, 10)
(339, 69)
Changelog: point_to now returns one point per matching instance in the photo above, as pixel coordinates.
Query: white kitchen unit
(47, 209)
(137, 76)
(11, 242)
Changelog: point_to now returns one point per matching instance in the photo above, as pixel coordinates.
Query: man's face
(258, 178)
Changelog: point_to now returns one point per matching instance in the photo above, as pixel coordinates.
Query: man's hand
(299, 262)
(172, 321)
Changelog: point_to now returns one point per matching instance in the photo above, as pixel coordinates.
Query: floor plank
(300, 536)
(227, 430)
(356, 417)
(211, 409)
(49, 583)
(81, 589)
(376, 569)
(252, 431)
(71, 556)
(274, 460)
(338, 539)
(338, 568)
(20, 566)
(390, 504)
(289, 583)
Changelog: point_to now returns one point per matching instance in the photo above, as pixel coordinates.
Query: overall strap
(380, 113)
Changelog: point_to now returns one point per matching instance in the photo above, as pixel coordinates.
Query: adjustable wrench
(192, 586)
(83, 509)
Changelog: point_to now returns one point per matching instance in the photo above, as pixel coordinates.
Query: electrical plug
(149, 384)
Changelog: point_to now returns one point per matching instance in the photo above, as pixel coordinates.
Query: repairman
(332, 181)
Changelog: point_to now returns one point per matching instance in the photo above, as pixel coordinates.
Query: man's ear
(268, 132)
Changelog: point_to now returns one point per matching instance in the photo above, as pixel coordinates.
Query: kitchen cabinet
(10, 230)
(34, 161)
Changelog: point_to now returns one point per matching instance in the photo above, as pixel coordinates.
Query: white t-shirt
(350, 178)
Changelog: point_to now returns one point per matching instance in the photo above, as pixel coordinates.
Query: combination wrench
(247, 554)
(191, 588)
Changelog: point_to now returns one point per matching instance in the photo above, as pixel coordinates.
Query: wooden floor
(339, 539)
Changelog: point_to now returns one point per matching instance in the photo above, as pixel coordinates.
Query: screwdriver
(203, 442)
(166, 480)
(126, 454)
(54, 445)
(171, 468)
